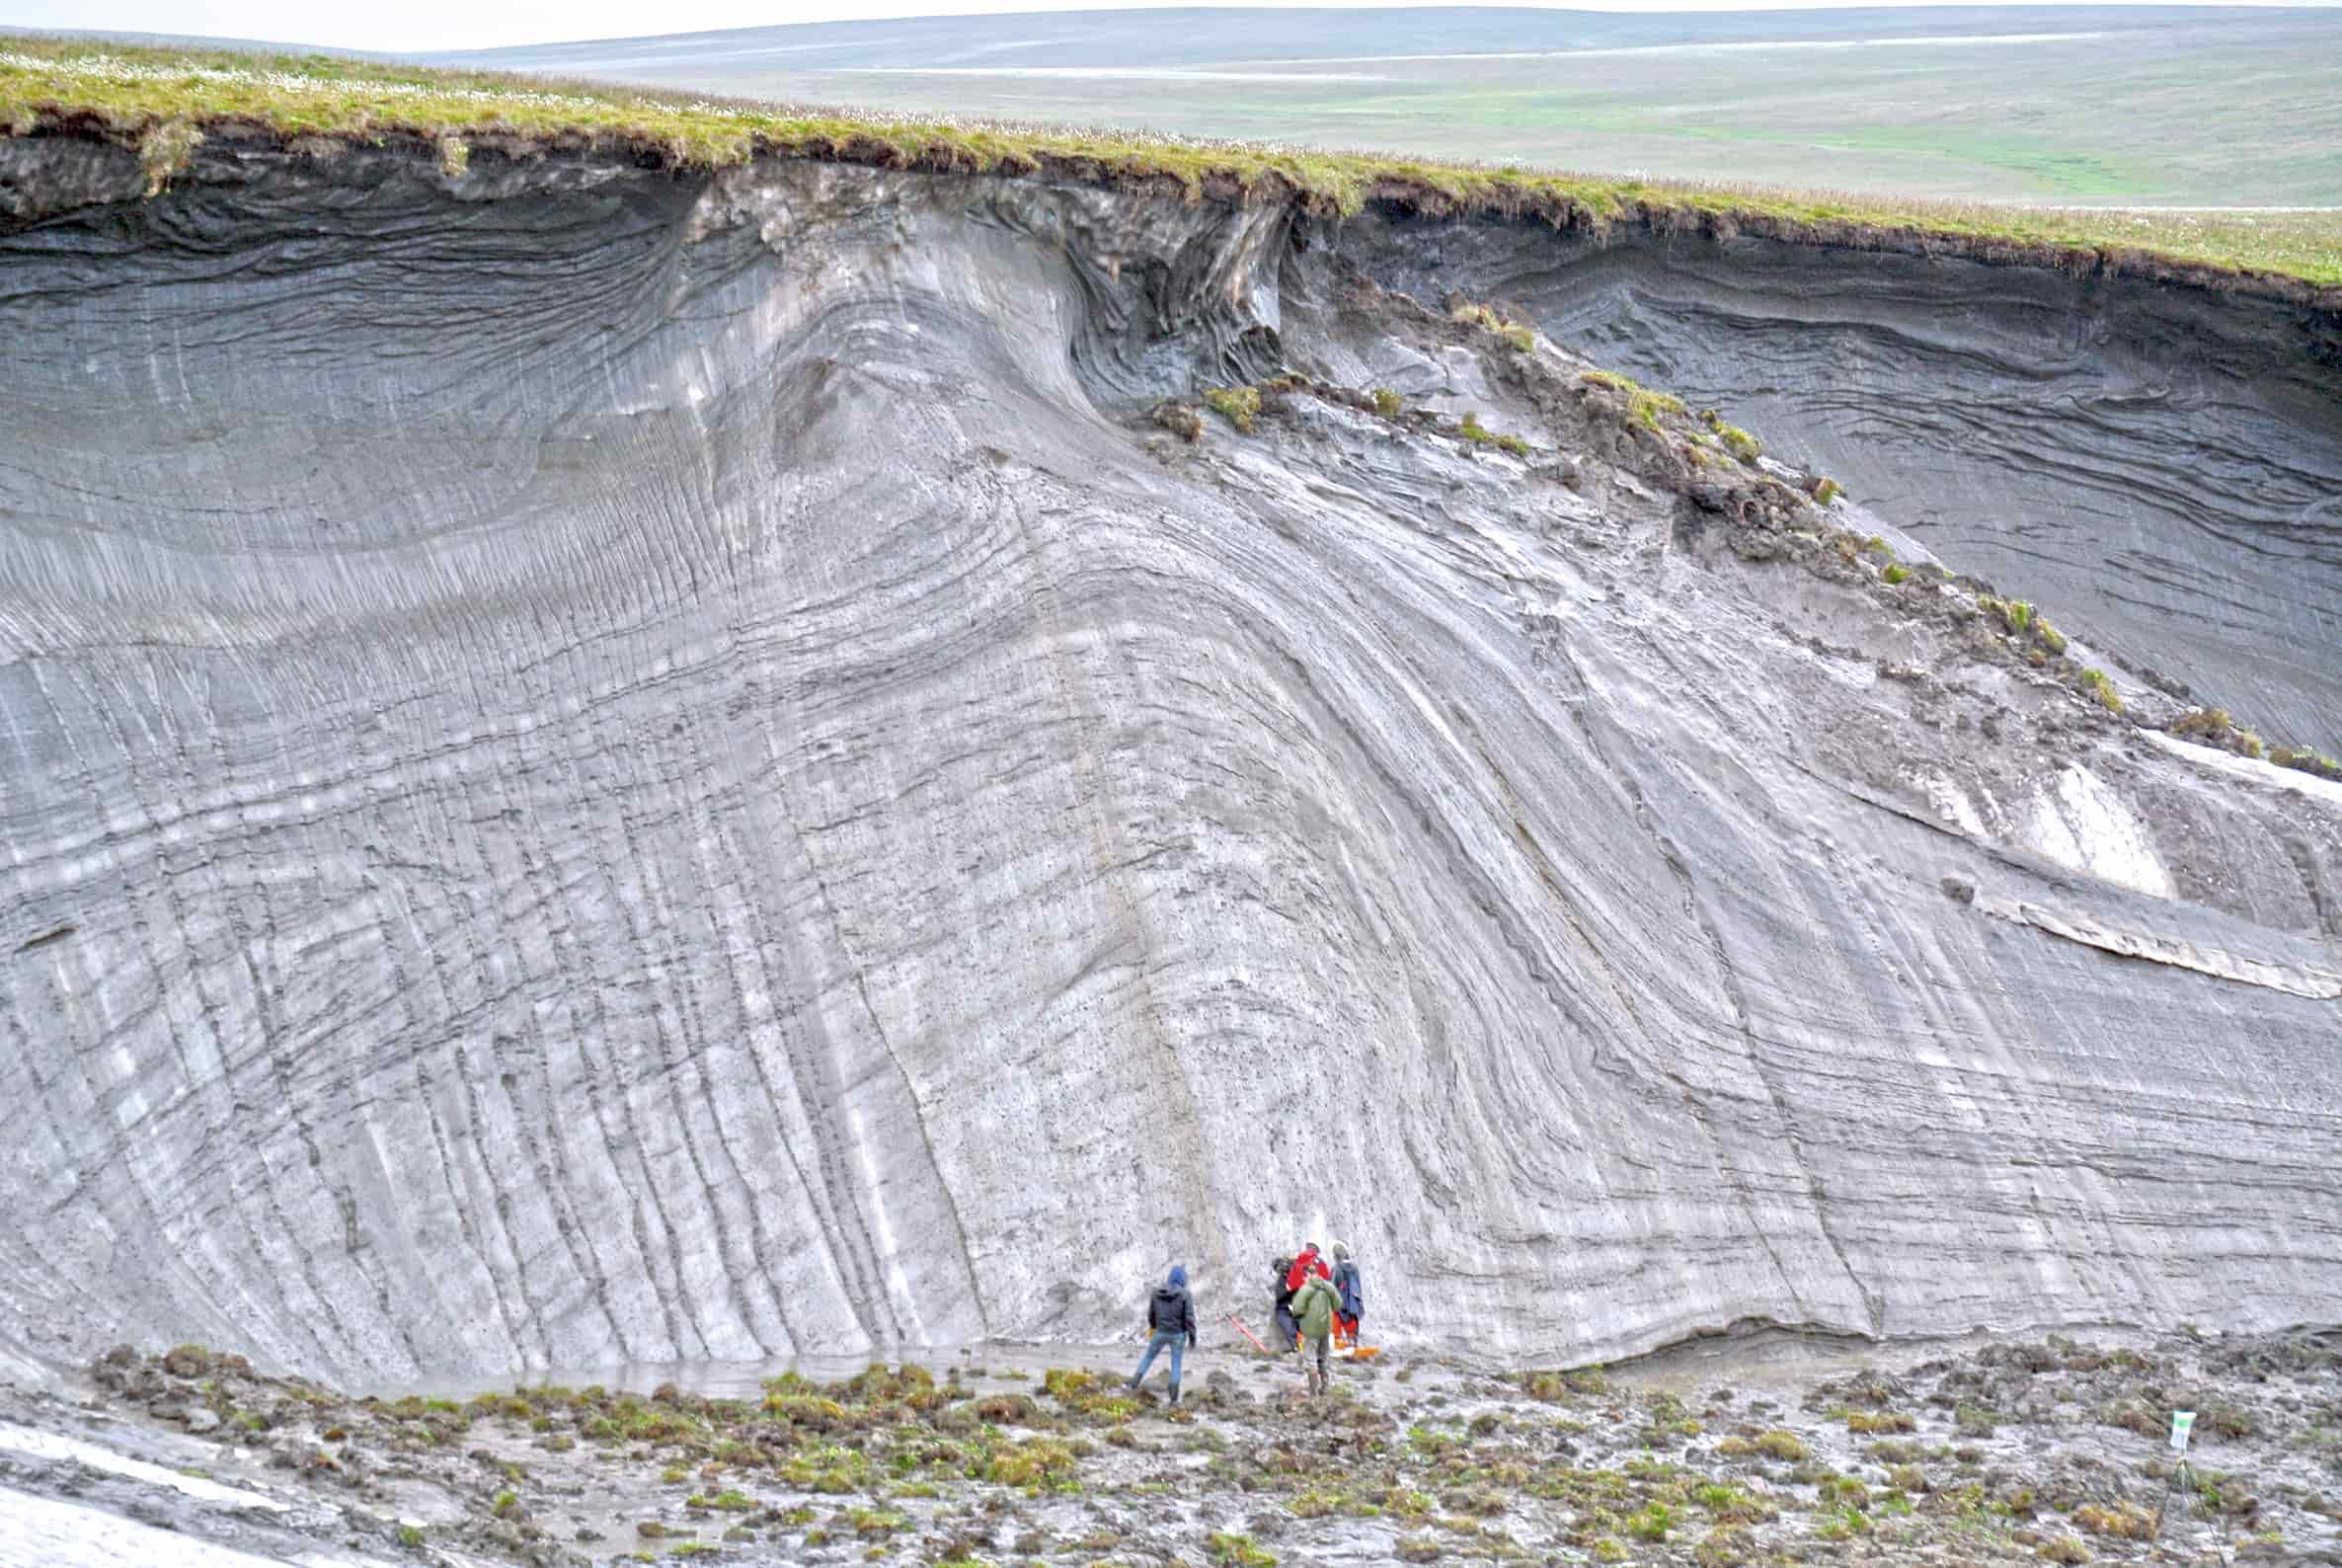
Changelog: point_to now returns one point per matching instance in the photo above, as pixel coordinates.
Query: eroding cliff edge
(610, 765)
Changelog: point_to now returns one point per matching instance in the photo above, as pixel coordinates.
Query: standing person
(1352, 1289)
(1171, 1324)
(1305, 1265)
(1280, 1309)
(1316, 1301)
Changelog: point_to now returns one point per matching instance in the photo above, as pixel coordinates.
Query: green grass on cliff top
(156, 96)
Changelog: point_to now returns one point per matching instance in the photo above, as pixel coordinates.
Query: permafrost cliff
(597, 765)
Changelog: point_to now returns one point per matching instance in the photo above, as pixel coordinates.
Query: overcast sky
(423, 24)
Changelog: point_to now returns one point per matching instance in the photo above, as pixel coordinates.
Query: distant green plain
(165, 101)
(2119, 107)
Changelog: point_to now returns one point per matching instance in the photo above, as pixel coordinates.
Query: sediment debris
(2006, 1452)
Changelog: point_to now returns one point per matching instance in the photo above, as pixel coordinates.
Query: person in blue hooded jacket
(1171, 1324)
(1352, 1291)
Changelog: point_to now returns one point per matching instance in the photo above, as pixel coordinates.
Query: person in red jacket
(1305, 1265)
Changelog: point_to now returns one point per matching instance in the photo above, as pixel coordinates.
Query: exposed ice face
(576, 791)
(117, 1507)
(54, 1445)
(50, 1532)
(2083, 824)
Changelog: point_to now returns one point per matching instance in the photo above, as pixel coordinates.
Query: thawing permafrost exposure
(609, 766)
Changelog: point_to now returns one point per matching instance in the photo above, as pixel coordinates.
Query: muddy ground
(1996, 1453)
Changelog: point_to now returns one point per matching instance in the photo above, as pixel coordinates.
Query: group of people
(1314, 1307)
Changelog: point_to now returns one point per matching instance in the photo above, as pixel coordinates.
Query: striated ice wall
(598, 765)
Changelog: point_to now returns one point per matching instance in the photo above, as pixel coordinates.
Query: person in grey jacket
(1171, 1325)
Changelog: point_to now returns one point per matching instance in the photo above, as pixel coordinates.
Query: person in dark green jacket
(1315, 1305)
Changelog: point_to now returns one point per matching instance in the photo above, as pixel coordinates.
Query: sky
(417, 26)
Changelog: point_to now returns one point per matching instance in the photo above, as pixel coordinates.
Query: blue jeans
(1154, 1348)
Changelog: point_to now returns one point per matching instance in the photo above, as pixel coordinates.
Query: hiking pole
(1247, 1333)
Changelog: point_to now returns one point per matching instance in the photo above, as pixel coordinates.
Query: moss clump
(828, 1468)
(1240, 405)
(2123, 1522)
(1180, 418)
(2065, 1549)
(1471, 429)
(1784, 1446)
(1844, 1524)
(1521, 337)
(1236, 1552)
(1653, 1521)
(1041, 1462)
(1731, 1503)
(1725, 1547)
(1644, 406)
(1975, 1421)
(1871, 1423)
(1843, 1490)
(2303, 759)
(2049, 636)
(2095, 684)
(1827, 491)
(1068, 1385)
(1388, 403)
(1895, 572)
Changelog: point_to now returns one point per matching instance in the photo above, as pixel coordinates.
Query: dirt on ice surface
(2001, 1452)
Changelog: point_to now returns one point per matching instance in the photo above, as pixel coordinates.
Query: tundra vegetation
(2008, 1452)
(164, 101)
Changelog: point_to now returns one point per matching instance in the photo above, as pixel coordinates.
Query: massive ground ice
(605, 764)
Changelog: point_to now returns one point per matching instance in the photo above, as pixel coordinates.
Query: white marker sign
(2182, 1421)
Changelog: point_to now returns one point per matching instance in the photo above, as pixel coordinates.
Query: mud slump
(602, 766)
(2163, 462)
